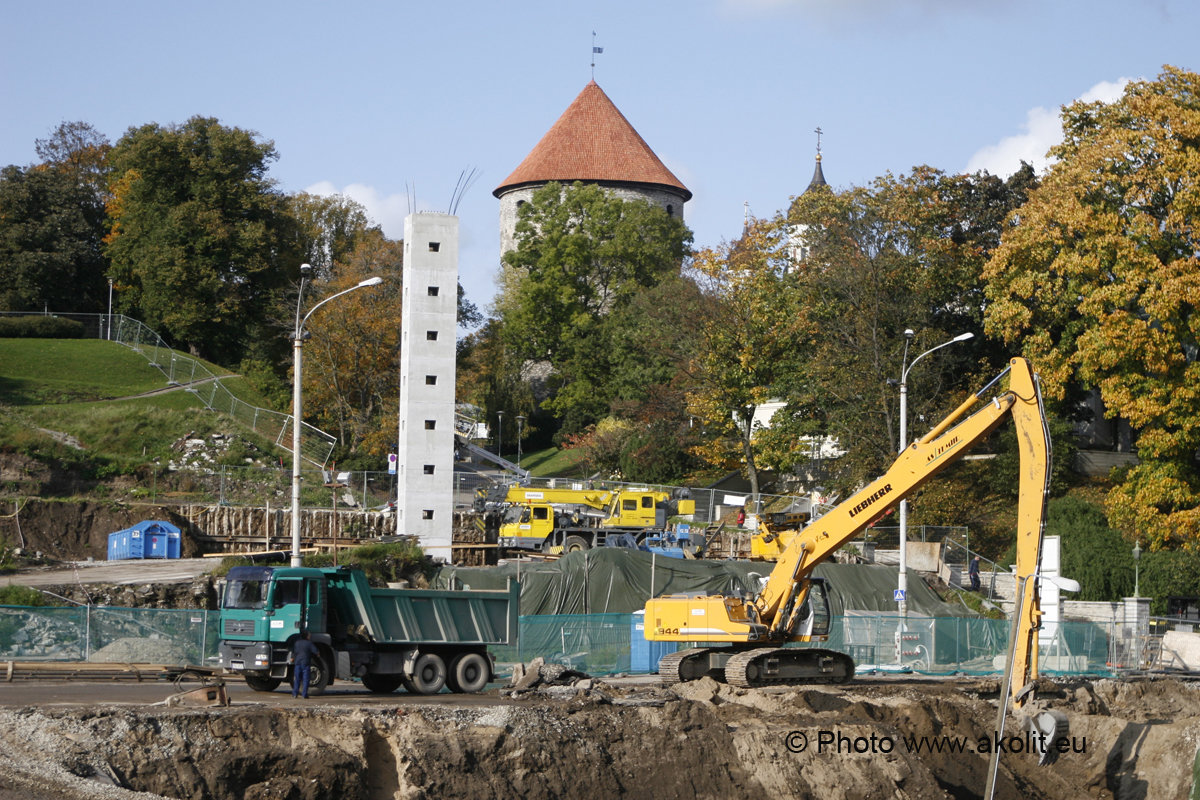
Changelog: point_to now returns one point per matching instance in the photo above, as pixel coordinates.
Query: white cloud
(385, 210)
(1041, 131)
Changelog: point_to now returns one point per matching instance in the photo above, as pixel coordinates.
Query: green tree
(52, 222)
(327, 229)
(51, 231)
(582, 254)
(1097, 281)
(196, 238)
(749, 331)
(905, 253)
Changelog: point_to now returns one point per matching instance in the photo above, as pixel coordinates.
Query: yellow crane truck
(793, 606)
(561, 520)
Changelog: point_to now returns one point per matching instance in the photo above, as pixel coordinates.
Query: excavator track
(683, 665)
(781, 666)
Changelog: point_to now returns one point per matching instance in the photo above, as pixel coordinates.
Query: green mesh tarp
(614, 580)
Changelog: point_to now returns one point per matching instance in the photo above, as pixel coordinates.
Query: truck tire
(318, 679)
(469, 672)
(574, 544)
(429, 674)
(381, 684)
(262, 684)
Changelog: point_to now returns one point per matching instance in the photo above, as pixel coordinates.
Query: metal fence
(182, 370)
(601, 644)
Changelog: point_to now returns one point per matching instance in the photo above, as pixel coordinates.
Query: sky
(390, 101)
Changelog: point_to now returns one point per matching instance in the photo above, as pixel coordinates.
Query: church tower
(591, 142)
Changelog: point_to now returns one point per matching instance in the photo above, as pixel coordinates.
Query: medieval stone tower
(591, 142)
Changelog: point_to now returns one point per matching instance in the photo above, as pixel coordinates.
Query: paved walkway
(174, 570)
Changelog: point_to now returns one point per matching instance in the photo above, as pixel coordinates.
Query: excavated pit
(696, 740)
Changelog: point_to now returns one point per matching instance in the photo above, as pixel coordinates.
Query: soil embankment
(698, 740)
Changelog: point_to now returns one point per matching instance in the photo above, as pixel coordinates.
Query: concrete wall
(668, 200)
(425, 464)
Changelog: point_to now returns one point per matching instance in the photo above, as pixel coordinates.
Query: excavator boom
(778, 613)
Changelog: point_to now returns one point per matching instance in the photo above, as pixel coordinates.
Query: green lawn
(550, 463)
(52, 371)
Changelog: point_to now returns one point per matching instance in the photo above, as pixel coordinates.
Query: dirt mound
(703, 740)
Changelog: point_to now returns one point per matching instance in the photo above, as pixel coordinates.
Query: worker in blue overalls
(303, 652)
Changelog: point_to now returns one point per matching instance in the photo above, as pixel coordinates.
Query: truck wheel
(429, 674)
(469, 672)
(574, 544)
(262, 684)
(381, 684)
(318, 679)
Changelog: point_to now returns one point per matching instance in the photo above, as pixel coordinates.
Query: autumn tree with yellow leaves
(1098, 282)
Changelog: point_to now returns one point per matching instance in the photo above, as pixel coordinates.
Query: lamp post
(298, 337)
(904, 369)
(500, 434)
(520, 425)
(110, 290)
(1137, 556)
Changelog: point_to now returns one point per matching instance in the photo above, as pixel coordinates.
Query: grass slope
(89, 389)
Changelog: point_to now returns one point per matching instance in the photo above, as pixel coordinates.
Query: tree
(905, 253)
(51, 231)
(196, 234)
(582, 253)
(351, 363)
(749, 332)
(1096, 281)
(327, 229)
(52, 221)
(80, 151)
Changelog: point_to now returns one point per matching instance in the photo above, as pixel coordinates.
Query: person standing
(973, 572)
(303, 652)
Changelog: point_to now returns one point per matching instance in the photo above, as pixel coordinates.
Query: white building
(425, 463)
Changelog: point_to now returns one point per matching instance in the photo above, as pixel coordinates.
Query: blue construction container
(147, 539)
(644, 655)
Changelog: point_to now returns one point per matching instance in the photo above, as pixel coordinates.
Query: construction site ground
(878, 737)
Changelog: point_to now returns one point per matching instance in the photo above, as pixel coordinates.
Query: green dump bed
(425, 615)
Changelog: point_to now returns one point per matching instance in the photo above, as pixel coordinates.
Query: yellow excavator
(793, 606)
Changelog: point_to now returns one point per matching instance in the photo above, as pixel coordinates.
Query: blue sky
(386, 100)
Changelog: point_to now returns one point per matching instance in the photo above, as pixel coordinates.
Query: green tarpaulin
(615, 580)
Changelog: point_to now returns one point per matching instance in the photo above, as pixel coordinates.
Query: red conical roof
(592, 142)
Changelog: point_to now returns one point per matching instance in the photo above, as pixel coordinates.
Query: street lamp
(500, 434)
(298, 337)
(1137, 556)
(520, 424)
(904, 369)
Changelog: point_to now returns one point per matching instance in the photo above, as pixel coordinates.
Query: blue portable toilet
(147, 539)
(644, 655)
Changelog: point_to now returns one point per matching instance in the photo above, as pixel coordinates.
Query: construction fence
(598, 644)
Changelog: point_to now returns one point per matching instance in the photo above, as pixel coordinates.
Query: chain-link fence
(601, 644)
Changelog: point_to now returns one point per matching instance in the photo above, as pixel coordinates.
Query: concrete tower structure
(591, 142)
(425, 463)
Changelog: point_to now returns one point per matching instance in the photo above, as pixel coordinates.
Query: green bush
(22, 596)
(40, 327)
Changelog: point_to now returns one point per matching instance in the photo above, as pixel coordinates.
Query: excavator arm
(774, 615)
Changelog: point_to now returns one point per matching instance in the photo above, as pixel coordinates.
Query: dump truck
(422, 639)
(555, 520)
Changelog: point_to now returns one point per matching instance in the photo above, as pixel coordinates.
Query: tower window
(670, 210)
(429, 469)
(427, 513)
(435, 246)
(431, 336)
(430, 424)
(433, 291)
(431, 380)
